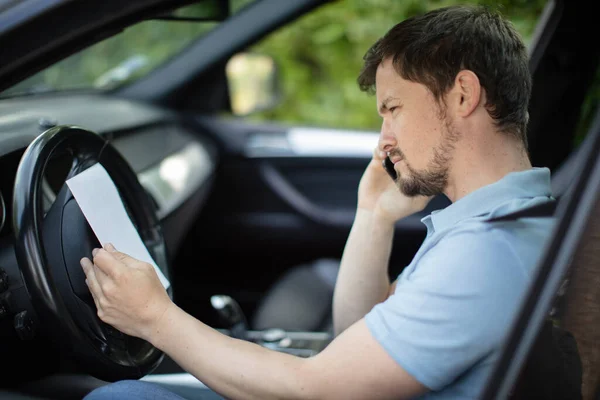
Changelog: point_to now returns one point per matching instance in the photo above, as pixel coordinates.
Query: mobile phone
(388, 165)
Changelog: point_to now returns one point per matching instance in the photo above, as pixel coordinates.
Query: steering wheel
(49, 247)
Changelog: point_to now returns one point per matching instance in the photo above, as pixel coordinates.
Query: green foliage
(320, 56)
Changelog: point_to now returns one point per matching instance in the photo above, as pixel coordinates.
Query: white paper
(99, 200)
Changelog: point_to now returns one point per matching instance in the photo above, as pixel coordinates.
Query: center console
(302, 344)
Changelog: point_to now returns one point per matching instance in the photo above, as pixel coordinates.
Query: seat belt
(545, 209)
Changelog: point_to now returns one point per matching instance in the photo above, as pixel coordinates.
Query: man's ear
(467, 92)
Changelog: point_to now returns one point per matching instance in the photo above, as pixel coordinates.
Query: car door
(284, 197)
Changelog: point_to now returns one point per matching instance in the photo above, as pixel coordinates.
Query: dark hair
(432, 48)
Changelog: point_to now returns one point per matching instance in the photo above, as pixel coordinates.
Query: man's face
(415, 133)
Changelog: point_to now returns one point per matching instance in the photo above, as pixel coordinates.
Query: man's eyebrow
(384, 104)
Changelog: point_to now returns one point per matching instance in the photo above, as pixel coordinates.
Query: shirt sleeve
(453, 309)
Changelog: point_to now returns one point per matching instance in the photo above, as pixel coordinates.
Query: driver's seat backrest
(553, 368)
(580, 308)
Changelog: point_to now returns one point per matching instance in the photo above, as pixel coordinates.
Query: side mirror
(253, 83)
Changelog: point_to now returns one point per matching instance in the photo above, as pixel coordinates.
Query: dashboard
(174, 162)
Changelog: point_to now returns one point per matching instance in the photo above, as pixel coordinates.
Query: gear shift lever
(231, 313)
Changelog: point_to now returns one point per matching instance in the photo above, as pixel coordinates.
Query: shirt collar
(531, 183)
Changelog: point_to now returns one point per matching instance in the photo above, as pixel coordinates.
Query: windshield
(123, 58)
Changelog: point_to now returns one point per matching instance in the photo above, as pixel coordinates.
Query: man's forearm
(234, 368)
(363, 278)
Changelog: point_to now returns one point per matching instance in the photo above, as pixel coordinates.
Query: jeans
(139, 390)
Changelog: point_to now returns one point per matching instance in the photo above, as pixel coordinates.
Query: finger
(110, 247)
(91, 280)
(124, 258)
(103, 280)
(100, 275)
(108, 263)
(379, 155)
(96, 300)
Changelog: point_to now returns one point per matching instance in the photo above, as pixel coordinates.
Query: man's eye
(393, 108)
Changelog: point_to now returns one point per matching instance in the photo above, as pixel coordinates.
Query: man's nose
(387, 140)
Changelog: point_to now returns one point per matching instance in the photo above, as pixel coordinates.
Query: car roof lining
(63, 36)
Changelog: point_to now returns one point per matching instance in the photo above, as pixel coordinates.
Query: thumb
(125, 258)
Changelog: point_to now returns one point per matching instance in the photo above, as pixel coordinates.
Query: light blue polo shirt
(454, 303)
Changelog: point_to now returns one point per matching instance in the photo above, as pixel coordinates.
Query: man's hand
(127, 292)
(130, 297)
(377, 192)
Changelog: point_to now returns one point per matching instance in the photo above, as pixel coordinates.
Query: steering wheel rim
(56, 286)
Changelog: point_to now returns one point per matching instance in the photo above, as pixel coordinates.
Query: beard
(434, 179)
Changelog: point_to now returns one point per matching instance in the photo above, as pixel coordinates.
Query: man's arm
(239, 369)
(363, 280)
(130, 297)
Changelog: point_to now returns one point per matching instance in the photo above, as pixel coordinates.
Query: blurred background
(316, 59)
(321, 56)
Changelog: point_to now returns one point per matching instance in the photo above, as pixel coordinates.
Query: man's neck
(478, 164)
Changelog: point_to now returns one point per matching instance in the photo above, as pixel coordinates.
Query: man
(452, 88)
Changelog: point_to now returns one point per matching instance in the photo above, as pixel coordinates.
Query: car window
(125, 57)
(320, 55)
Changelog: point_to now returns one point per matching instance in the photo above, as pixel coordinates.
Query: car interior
(247, 217)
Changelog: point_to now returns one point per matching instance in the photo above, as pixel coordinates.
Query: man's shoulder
(478, 250)
(514, 235)
(475, 235)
